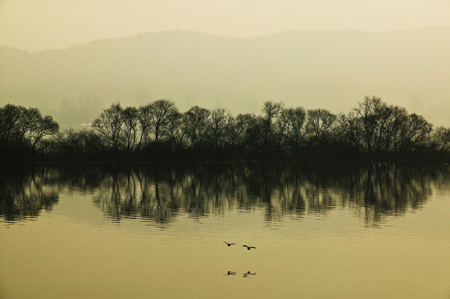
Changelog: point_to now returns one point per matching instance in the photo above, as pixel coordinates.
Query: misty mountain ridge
(311, 69)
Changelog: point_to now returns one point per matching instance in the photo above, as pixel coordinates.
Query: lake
(159, 231)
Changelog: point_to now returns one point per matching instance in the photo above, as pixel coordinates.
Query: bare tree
(319, 124)
(155, 120)
(382, 131)
(368, 116)
(270, 111)
(239, 135)
(43, 126)
(109, 125)
(349, 131)
(175, 132)
(440, 139)
(130, 128)
(291, 127)
(195, 125)
(415, 134)
(388, 133)
(220, 123)
(10, 115)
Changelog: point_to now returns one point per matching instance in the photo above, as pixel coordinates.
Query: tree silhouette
(319, 124)
(109, 125)
(195, 123)
(130, 129)
(373, 131)
(22, 128)
(155, 121)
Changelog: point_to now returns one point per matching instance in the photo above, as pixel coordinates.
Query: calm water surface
(376, 231)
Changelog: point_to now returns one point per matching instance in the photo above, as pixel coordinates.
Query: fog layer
(311, 69)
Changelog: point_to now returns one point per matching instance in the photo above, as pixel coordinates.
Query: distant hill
(312, 69)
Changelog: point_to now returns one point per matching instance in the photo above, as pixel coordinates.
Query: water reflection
(24, 194)
(158, 193)
(245, 274)
(248, 273)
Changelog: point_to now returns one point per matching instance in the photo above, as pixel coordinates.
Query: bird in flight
(249, 247)
(229, 244)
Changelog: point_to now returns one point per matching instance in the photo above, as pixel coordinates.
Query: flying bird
(229, 244)
(249, 247)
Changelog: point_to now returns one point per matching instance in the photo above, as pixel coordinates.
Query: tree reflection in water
(24, 193)
(158, 193)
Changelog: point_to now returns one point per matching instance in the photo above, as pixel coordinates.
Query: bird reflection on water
(248, 273)
(243, 274)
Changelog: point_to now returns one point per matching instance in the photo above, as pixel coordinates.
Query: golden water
(99, 238)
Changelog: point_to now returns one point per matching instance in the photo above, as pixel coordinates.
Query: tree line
(158, 131)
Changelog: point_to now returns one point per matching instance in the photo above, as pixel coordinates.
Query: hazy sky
(40, 24)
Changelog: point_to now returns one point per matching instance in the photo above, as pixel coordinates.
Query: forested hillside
(312, 69)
